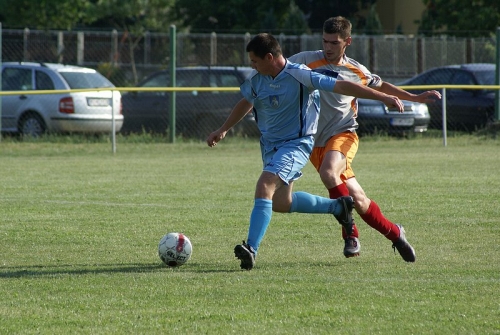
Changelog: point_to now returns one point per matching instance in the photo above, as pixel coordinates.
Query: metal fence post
(26, 34)
(60, 46)
(0, 80)
(113, 122)
(443, 107)
(173, 59)
(114, 47)
(497, 77)
(213, 48)
(147, 48)
(80, 48)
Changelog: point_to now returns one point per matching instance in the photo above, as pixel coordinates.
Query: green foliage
(294, 21)
(114, 73)
(460, 17)
(134, 16)
(231, 15)
(45, 14)
(80, 228)
(373, 25)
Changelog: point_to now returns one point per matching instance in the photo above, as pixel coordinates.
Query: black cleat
(352, 247)
(246, 255)
(404, 248)
(345, 217)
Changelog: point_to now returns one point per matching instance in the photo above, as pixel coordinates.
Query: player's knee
(361, 203)
(281, 207)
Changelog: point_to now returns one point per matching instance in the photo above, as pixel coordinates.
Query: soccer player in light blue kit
(284, 100)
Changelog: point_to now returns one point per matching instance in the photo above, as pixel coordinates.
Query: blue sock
(259, 220)
(303, 202)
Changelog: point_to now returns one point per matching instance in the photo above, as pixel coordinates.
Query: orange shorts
(346, 143)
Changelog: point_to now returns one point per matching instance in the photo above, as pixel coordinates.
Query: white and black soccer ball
(175, 249)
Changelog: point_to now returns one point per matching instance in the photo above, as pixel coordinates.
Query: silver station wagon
(76, 112)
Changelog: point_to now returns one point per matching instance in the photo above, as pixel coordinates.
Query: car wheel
(31, 125)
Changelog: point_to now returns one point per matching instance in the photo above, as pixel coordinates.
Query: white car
(76, 112)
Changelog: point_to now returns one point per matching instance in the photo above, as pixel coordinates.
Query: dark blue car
(197, 112)
(467, 109)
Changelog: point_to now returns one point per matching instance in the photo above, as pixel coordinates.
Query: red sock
(337, 192)
(379, 222)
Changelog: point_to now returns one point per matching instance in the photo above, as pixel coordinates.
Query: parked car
(374, 116)
(35, 114)
(466, 109)
(197, 112)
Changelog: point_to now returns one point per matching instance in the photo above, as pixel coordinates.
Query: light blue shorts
(287, 159)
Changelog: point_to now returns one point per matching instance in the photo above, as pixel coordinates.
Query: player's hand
(215, 137)
(429, 96)
(394, 102)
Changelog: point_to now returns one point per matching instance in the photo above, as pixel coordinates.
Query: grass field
(80, 227)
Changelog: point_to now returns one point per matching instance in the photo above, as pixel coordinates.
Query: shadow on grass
(39, 271)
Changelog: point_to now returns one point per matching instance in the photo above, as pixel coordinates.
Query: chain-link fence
(127, 60)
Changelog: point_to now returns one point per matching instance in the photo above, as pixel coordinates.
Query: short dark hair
(338, 25)
(264, 43)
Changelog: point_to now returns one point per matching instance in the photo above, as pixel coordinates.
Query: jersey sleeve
(324, 81)
(247, 91)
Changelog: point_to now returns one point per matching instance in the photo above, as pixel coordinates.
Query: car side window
(439, 77)
(463, 78)
(14, 79)
(189, 79)
(43, 81)
(223, 80)
(161, 80)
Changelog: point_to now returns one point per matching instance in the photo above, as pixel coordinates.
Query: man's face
(262, 65)
(334, 46)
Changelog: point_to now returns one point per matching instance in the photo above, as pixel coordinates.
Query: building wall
(400, 12)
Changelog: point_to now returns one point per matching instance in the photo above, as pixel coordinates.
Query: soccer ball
(175, 249)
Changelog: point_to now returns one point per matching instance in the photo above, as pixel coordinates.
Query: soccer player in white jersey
(282, 96)
(336, 142)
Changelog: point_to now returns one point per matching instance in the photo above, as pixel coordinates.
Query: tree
(373, 25)
(295, 21)
(460, 17)
(134, 18)
(317, 11)
(238, 16)
(44, 14)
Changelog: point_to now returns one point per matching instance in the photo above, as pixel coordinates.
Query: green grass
(80, 227)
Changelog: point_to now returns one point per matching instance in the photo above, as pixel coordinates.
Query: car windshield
(78, 80)
(486, 77)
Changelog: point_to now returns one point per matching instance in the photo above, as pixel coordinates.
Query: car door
(147, 110)
(193, 103)
(466, 109)
(434, 77)
(217, 105)
(14, 79)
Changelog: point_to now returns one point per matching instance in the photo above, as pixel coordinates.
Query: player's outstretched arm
(242, 108)
(425, 97)
(359, 91)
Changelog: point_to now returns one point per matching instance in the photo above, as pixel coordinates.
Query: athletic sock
(259, 221)
(337, 192)
(303, 202)
(375, 219)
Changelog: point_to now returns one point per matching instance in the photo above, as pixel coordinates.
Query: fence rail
(126, 58)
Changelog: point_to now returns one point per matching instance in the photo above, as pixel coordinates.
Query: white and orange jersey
(337, 112)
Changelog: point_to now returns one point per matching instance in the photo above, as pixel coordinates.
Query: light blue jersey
(286, 107)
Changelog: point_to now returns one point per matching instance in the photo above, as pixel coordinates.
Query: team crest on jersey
(274, 100)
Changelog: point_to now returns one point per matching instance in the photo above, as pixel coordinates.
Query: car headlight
(422, 109)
